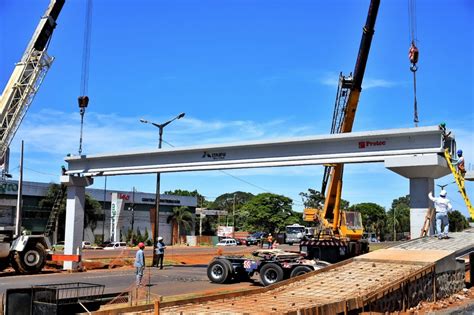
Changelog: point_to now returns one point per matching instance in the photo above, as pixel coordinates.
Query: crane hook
(413, 55)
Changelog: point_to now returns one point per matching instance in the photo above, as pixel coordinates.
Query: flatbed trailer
(272, 265)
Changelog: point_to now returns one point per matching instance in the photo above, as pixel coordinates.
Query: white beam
(357, 147)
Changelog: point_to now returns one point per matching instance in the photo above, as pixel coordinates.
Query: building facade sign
(225, 231)
(116, 207)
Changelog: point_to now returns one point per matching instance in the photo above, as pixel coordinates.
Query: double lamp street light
(157, 197)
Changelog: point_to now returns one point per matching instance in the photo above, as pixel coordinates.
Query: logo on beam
(214, 155)
(366, 144)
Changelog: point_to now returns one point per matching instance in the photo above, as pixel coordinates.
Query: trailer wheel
(300, 270)
(271, 273)
(219, 271)
(30, 260)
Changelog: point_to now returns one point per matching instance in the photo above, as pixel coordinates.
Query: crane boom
(331, 209)
(27, 76)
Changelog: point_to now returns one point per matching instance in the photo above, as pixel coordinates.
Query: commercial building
(136, 211)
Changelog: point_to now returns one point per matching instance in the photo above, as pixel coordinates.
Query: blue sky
(240, 70)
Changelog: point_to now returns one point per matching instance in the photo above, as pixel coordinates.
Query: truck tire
(271, 273)
(31, 260)
(220, 271)
(300, 270)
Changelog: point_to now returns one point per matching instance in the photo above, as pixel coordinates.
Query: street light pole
(158, 181)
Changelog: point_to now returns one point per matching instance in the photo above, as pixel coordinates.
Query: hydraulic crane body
(342, 229)
(25, 253)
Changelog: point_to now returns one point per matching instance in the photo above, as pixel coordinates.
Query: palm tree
(181, 217)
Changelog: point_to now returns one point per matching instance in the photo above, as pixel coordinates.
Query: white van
(227, 242)
(116, 245)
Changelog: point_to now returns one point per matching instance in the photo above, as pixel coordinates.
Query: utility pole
(233, 217)
(132, 208)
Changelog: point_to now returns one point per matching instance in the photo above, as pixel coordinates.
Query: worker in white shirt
(442, 206)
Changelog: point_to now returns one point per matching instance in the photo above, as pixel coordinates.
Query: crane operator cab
(351, 225)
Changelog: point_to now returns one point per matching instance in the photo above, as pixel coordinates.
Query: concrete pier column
(422, 170)
(419, 204)
(76, 188)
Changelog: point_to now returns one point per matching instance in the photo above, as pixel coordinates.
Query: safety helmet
(141, 245)
(459, 152)
(160, 238)
(443, 193)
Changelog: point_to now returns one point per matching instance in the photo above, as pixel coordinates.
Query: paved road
(178, 250)
(166, 282)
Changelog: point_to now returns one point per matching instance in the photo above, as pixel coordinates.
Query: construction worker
(270, 241)
(459, 163)
(139, 264)
(160, 252)
(442, 206)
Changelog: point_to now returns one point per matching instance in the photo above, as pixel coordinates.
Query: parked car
(86, 245)
(116, 245)
(227, 242)
(241, 241)
(104, 244)
(255, 238)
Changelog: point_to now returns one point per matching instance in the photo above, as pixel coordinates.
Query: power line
(43, 173)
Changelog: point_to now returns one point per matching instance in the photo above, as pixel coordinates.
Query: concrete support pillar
(419, 204)
(422, 171)
(76, 188)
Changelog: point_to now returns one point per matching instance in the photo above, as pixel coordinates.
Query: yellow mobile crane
(340, 232)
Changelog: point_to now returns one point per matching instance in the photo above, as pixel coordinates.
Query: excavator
(338, 233)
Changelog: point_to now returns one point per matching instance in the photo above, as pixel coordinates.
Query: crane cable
(413, 52)
(83, 99)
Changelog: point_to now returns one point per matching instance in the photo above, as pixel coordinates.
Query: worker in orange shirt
(270, 241)
(459, 163)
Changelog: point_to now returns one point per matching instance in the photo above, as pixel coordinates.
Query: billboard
(225, 231)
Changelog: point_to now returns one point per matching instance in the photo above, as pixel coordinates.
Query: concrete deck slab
(406, 256)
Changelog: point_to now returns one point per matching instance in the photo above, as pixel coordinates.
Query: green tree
(146, 237)
(373, 217)
(128, 235)
(201, 200)
(398, 217)
(312, 199)
(401, 201)
(181, 217)
(230, 202)
(138, 237)
(457, 222)
(269, 213)
(315, 199)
